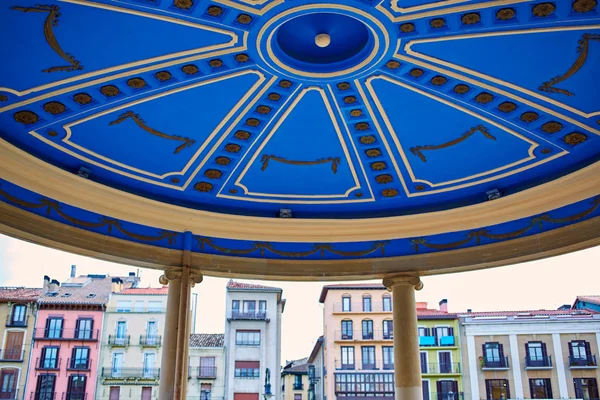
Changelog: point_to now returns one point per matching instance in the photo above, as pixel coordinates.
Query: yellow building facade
(294, 378)
(358, 345)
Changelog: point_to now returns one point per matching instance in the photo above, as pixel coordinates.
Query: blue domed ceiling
(333, 111)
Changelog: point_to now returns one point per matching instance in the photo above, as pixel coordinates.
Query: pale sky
(547, 283)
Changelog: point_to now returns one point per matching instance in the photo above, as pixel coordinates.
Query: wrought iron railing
(152, 340)
(119, 341)
(538, 362)
(11, 322)
(89, 335)
(128, 373)
(588, 361)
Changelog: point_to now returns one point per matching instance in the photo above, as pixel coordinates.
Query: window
(117, 365)
(540, 388)
(149, 359)
(388, 357)
(425, 385)
(49, 358)
(8, 383)
(424, 365)
(152, 333)
(262, 306)
(497, 389)
(13, 346)
(247, 369)
(444, 336)
(579, 353)
(447, 390)
(207, 367)
(249, 306)
(297, 396)
(493, 355)
(205, 391)
(387, 303)
(424, 331)
(76, 387)
(247, 338)
(235, 306)
(353, 385)
(121, 333)
(367, 329)
(155, 306)
(19, 312)
(44, 389)
(347, 357)
(53, 328)
(367, 304)
(445, 362)
(536, 354)
(123, 306)
(298, 382)
(368, 357)
(586, 388)
(80, 358)
(84, 328)
(388, 329)
(347, 330)
(346, 304)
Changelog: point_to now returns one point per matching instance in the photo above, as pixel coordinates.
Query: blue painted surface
(230, 105)
(426, 340)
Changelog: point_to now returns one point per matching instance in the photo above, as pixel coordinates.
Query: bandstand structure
(301, 140)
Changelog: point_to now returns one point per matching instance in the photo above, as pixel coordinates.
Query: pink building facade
(66, 339)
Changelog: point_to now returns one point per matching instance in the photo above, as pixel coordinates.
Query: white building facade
(253, 341)
(206, 370)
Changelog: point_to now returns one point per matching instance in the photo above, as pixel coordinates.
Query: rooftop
(84, 289)
(296, 367)
(235, 285)
(349, 286)
(207, 340)
(529, 314)
(20, 293)
(594, 299)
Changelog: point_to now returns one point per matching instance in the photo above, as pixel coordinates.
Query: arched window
(367, 305)
(346, 305)
(388, 329)
(347, 329)
(367, 329)
(387, 302)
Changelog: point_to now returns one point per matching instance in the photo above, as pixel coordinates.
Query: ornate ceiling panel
(367, 120)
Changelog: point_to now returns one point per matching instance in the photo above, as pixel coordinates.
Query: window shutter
(588, 352)
(507, 388)
(483, 349)
(439, 387)
(527, 350)
(455, 387)
(571, 349)
(451, 331)
(548, 389)
(500, 350)
(247, 364)
(427, 331)
(544, 353)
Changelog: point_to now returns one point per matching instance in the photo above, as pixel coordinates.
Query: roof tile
(233, 285)
(207, 340)
(19, 294)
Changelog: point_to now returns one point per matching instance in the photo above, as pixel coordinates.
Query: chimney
(73, 270)
(116, 285)
(444, 305)
(132, 274)
(53, 286)
(46, 284)
(469, 310)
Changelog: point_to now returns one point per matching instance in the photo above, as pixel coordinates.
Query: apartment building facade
(66, 338)
(206, 370)
(18, 307)
(253, 341)
(131, 348)
(542, 354)
(294, 378)
(358, 345)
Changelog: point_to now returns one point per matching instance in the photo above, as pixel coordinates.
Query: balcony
(437, 341)
(130, 373)
(84, 335)
(42, 395)
(494, 363)
(363, 336)
(11, 323)
(440, 368)
(47, 364)
(248, 316)
(358, 365)
(79, 365)
(588, 362)
(138, 310)
(12, 355)
(150, 341)
(358, 308)
(202, 372)
(444, 396)
(298, 386)
(118, 341)
(74, 396)
(542, 362)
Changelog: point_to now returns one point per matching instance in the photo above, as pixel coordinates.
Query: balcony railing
(360, 335)
(249, 315)
(78, 365)
(499, 363)
(42, 395)
(118, 341)
(585, 362)
(298, 386)
(44, 364)
(130, 373)
(202, 372)
(10, 322)
(444, 396)
(88, 335)
(358, 308)
(542, 362)
(440, 368)
(142, 310)
(12, 395)
(150, 341)
(437, 341)
(359, 365)
(12, 355)
(74, 396)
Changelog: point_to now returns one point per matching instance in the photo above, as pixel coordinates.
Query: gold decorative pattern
(418, 150)
(274, 96)
(190, 69)
(82, 98)
(109, 223)
(244, 19)
(484, 98)
(389, 192)
(3, 98)
(529, 116)
(416, 72)
(437, 23)
(546, 150)
(438, 80)
(575, 138)
(284, 83)
(470, 18)
(552, 127)
(378, 166)
(392, 64)
(461, 88)
(407, 27)
(349, 99)
(335, 161)
(187, 142)
(537, 221)
(583, 6)
(215, 63)
(223, 160)
(233, 191)
(242, 135)
(54, 108)
(183, 4)
(356, 112)
(367, 139)
(26, 117)
(163, 76)
(49, 24)
(263, 109)
(419, 187)
(242, 58)
(233, 148)
(175, 180)
(213, 173)
(343, 86)
(505, 14)
(204, 242)
(203, 187)
(214, 11)
(361, 126)
(507, 107)
(109, 90)
(253, 122)
(136, 83)
(384, 178)
(582, 50)
(543, 9)
(373, 153)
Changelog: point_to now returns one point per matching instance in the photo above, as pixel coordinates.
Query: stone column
(173, 373)
(407, 358)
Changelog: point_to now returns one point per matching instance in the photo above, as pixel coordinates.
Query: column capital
(174, 273)
(390, 281)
